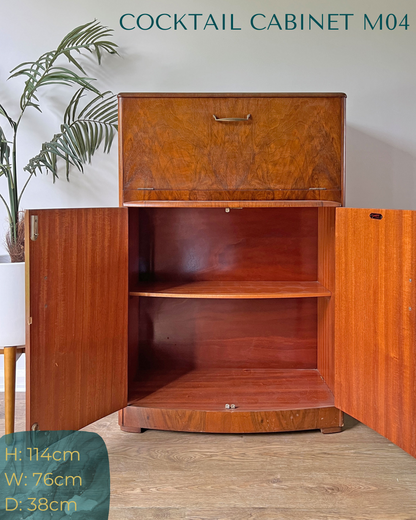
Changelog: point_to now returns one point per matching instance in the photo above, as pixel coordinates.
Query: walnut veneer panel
(375, 321)
(233, 204)
(204, 333)
(134, 418)
(77, 341)
(130, 197)
(172, 148)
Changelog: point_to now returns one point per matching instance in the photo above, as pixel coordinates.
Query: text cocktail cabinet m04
(229, 292)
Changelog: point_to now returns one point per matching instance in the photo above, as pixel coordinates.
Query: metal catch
(34, 227)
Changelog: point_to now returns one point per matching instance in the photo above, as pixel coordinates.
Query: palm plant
(87, 123)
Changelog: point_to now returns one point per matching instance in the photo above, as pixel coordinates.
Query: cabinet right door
(375, 309)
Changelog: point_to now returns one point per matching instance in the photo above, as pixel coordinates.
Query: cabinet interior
(223, 301)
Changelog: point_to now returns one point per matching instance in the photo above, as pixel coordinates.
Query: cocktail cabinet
(230, 291)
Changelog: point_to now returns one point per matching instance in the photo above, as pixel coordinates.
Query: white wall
(375, 68)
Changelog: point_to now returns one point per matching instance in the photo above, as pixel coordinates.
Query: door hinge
(34, 227)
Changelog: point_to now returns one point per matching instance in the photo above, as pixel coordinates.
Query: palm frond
(91, 37)
(82, 133)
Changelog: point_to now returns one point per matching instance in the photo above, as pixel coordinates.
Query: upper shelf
(231, 290)
(233, 204)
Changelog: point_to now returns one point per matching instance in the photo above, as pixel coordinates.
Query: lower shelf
(265, 400)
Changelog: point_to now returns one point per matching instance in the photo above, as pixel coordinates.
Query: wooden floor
(356, 474)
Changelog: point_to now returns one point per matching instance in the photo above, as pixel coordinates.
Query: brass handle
(226, 119)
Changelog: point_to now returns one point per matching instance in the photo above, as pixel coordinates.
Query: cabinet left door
(76, 309)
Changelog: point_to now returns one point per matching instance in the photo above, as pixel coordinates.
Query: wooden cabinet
(182, 147)
(230, 292)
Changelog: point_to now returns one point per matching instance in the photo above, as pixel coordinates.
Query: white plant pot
(12, 303)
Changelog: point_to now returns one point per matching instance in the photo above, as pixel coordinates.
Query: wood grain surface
(265, 400)
(172, 148)
(77, 306)
(138, 197)
(204, 244)
(236, 204)
(235, 290)
(375, 321)
(354, 475)
(249, 389)
(188, 333)
(173, 95)
(239, 422)
(326, 306)
(232, 290)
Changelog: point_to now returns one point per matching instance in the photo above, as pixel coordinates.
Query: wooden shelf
(249, 389)
(231, 290)
(233, 204)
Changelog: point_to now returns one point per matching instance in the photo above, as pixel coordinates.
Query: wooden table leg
(9, 387)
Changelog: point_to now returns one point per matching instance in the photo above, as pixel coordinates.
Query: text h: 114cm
(262, 22)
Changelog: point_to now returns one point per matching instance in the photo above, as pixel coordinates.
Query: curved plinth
(200, 400)
(134, 418)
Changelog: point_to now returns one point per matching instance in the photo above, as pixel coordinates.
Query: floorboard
(354, 475)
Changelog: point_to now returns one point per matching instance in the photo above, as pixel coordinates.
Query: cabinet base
(131, 428)
(134, 418)
(335, 429)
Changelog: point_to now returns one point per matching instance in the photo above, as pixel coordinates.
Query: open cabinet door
(375, 348)
(76, 275)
